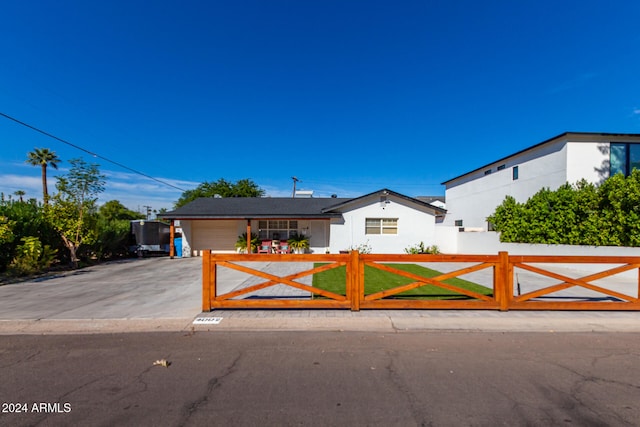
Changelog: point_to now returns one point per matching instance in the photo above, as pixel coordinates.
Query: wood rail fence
(548, 282)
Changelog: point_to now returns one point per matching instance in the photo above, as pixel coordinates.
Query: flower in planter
(298, 242)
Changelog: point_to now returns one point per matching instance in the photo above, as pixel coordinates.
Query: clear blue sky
(349, 96)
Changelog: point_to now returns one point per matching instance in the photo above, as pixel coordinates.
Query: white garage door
(217, 235)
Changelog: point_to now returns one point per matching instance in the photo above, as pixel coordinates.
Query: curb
(361, 323)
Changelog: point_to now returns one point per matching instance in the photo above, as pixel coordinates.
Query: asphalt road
(321, 379)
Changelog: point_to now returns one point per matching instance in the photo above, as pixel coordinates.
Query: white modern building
(568, 157)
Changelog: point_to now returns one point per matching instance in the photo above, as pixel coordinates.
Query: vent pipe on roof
(295, 180)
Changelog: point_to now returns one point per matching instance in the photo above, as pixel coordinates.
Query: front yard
(377, 280)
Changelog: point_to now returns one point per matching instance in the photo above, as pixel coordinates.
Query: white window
(381, 226)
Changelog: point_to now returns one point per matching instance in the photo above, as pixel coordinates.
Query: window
(458, 223)
(487, 172)
(501, 167)
(623, 158)
(381, 226)
(277, 229)
(514, 174)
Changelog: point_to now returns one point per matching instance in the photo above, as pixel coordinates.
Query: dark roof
(256, 207)
(274, 207)
(384, 191)
(429, 199)
(621, 135)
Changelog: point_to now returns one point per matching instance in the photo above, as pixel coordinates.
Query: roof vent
(304, 193)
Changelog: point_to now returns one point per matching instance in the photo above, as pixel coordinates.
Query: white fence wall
(489, 243)
(472, 243)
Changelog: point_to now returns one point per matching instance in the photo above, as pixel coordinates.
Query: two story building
(568, 157)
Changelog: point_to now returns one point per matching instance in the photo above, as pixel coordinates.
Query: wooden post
(248, 236)
(172, 233)
(354, 280)
(206, 280)
(504, 281)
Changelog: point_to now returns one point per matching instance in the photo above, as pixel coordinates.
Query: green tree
(72, 211)
(620, 207)
(20, 194)
(6, 230)
(24, 219)
(114, 210)
(508, 220)
(222, 188)
(580, 214)
(43, 157)
(113, 230)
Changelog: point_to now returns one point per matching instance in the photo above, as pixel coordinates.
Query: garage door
(220, 236)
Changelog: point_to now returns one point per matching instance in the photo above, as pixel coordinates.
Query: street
(274, 378)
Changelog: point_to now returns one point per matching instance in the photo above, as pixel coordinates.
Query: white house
(386, 221)
(568, 157)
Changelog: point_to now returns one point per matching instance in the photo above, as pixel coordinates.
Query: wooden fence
(545, 287)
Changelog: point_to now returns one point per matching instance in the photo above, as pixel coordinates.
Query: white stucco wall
(588, 160)
(446, 238)
(474, 197)
(415, 225)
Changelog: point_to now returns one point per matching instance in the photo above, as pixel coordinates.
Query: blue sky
(348, 96)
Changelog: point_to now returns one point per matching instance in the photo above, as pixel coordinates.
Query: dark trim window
(381, 226)
(458, 223)
(501, 167)
(514, 173)
(623, 158)
(277, 229)
(487, 172)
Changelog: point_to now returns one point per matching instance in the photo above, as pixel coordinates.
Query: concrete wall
(489, 243)
(446, 238)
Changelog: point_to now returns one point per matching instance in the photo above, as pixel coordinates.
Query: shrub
(363, 248)
(421, 249)
(32, 257)
(241, 243)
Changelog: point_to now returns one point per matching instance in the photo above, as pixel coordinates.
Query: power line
(89, 152)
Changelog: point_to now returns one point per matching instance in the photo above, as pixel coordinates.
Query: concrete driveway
(148, 288)
(135, 288)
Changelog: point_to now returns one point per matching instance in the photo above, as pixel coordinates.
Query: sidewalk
(160, 294)
(385, 321)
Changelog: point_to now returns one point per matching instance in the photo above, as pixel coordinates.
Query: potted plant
(298, 243)
(241, 243)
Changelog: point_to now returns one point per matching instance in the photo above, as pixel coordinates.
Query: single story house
(569, 157)
(386, 221)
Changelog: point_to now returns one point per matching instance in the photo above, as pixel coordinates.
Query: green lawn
(377, 280)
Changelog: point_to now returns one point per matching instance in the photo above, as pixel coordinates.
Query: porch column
(248, 235)
(172, 232)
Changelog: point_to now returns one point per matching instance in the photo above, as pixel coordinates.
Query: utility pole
(294, 185)
(148, 211)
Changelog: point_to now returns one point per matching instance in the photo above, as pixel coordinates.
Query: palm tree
(43, 157)
(20, 193)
